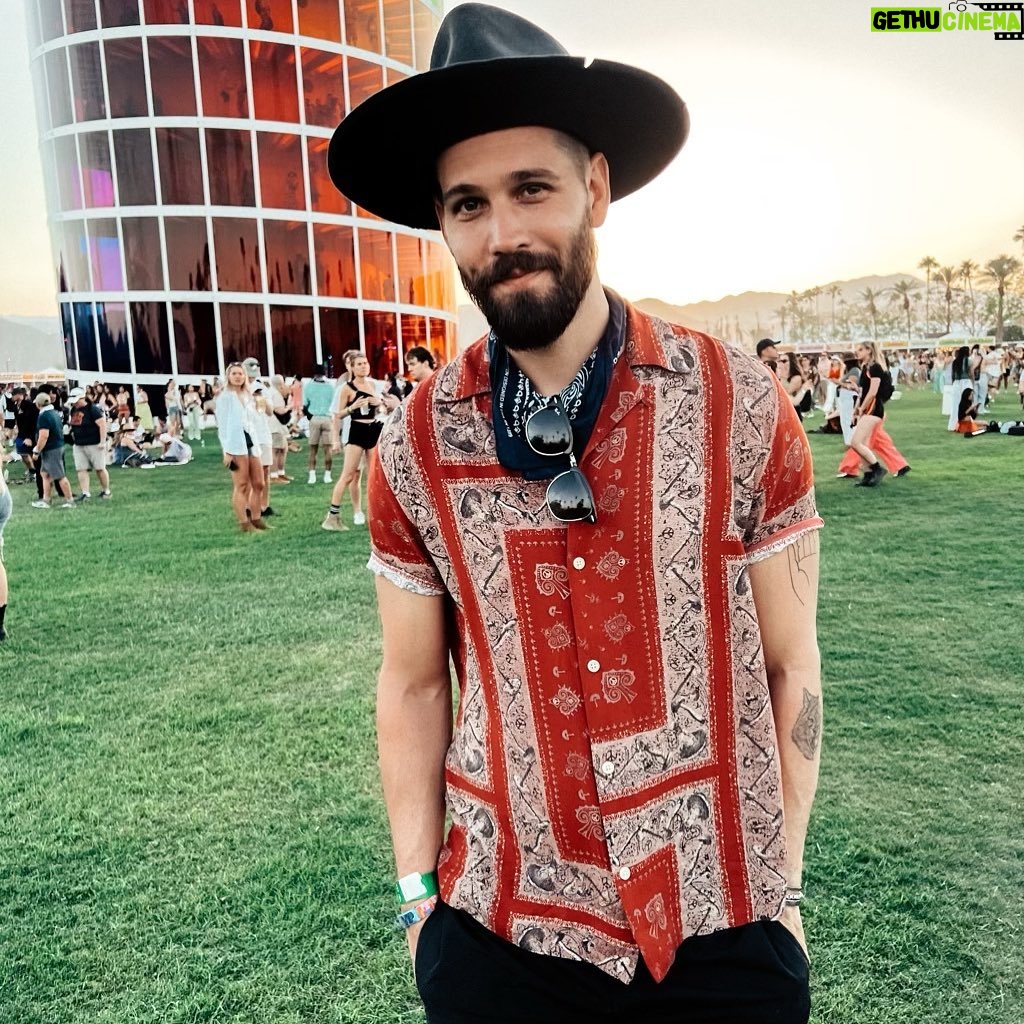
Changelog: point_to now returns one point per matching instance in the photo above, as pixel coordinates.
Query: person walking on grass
(879, 442)
(317, 396)
(6, 508)
(875, 391)
(88, 425)
(277, 396)
(359, 402)
(49, 452)
(235, 429)
(608, 523)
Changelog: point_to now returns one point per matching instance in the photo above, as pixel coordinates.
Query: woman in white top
(236, 430)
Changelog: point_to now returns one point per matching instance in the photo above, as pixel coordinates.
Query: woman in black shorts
(358, 399)
(870, 410)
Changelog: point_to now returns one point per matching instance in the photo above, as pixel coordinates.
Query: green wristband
(416, 887)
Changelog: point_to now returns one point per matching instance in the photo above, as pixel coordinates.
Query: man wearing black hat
(608, 523)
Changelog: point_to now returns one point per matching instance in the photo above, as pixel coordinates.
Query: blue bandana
(513, 399)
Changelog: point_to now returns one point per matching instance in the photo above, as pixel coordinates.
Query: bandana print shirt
(613, 782)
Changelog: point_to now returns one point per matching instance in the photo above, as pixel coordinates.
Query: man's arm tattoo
(799, 552)
(806, 732)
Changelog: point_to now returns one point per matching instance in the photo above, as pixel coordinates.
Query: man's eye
(465, 206)
(533, 189)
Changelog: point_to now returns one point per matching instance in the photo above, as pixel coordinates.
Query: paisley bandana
(513, 398)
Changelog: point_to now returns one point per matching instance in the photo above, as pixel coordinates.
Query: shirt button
(579, 563)
(593, 665)
(624, 874)
(608, 768)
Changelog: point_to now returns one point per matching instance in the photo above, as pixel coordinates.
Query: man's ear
(439, 212)
(599, 189)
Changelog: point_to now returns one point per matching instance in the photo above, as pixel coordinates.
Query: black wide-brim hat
(491, 70)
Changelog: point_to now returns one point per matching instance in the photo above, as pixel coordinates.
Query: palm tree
(1000, 270)
(1018, 236)
(928, 264)
(947, 275)
(870, 298)
(782, 313)
(833, 293)
(903, 290)
(967, 270)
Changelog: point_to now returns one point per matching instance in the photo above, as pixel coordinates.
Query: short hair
(763, 344)
(318, 369)
(577, 151)
(420, 353)
(350, 355)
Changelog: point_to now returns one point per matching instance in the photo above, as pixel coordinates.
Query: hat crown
(473, 32)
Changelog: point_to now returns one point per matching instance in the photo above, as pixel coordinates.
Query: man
(49, 450)
(278, 397)
(419, 364)
(608, 523)
(317, 396)
(26, 415)
(768, 354)
(89, 433)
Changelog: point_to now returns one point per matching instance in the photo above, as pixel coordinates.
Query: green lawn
(192, 828)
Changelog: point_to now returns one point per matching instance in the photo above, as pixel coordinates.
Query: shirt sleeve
(397, 548)
(784, 507)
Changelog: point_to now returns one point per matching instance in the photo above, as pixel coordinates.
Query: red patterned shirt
(613, 782)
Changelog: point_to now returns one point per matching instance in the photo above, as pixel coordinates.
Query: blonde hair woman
(236, 410)
(875, 389)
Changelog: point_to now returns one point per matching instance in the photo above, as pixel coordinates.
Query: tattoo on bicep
(806, 732)
(802, 549)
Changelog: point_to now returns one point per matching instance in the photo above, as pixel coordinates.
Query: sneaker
(86, 496)
(68, 504)
(903, 472)
(312, 476)
(333, 523)
(258, 524)
(846, 476)
(40, 504)
(327, 476)
(359, 519)
(268, 511)
(105, 494)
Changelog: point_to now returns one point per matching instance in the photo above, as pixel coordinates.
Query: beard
(526, 321)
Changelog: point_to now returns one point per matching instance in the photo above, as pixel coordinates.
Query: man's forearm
(414, 728)
(796, 704)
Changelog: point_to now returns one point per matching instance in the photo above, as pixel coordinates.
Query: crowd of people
(851, 392)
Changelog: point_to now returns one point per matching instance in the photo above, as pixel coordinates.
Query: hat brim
(383, 156)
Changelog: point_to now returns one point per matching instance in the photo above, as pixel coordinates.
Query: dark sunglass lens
(548, 431)
(570, 499)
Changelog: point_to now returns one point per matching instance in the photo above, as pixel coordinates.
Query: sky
(819, 150)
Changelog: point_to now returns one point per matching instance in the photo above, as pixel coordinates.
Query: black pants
(750, 975)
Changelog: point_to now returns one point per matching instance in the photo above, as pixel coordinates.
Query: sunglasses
(548, 432)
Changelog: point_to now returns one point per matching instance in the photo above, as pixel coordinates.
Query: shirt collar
(642, 349)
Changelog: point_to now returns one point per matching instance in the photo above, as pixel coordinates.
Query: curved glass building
(192, 219)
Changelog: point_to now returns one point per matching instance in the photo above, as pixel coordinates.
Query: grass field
(192, 827)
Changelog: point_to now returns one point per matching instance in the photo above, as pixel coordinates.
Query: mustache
(505, 264)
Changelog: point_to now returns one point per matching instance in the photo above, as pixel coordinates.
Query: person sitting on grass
(966, 421)
(175, 453)
(127, 453)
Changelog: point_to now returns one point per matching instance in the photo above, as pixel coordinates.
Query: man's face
(769, 355)
(418, 369)
(518, 212)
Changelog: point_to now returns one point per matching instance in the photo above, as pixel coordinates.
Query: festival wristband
(794, 896)
(416, 887)
(414, 915)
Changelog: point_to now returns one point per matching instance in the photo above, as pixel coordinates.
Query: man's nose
(507, 229)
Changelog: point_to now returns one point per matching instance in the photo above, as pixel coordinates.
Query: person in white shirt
(236, 430)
